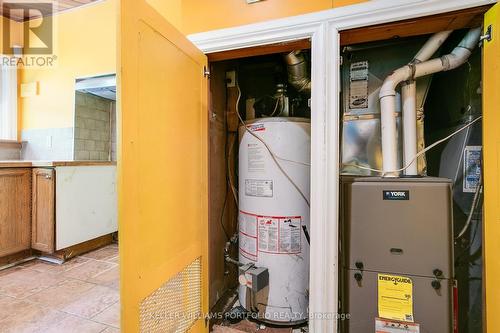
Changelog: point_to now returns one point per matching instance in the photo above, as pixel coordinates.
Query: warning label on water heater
(269, 234)
(256, 158)
(248, 235)
(279, 235)
(259, 188)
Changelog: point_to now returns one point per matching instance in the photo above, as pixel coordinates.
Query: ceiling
(14, 9)
(466, 18)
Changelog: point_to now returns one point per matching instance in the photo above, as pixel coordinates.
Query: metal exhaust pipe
(298, 71)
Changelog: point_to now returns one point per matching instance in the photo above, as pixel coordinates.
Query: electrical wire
(231, 184)
(273, 155)
(278, 100)
(230, 179)
(223, 210)
(474, 205)
(420, 153)
(466, 249)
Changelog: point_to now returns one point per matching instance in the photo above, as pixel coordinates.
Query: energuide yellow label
(395, 297)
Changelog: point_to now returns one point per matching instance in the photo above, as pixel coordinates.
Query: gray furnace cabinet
(396, 227)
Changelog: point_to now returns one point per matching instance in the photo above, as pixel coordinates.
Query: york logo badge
(396, 195)
(29, 27)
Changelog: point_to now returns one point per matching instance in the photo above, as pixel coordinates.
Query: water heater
(274, 219)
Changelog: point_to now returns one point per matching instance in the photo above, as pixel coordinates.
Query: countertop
(48, 164)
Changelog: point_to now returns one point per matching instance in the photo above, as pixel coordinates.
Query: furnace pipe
(409, 97)
(431, 46)
(387, 96)
(298, 71)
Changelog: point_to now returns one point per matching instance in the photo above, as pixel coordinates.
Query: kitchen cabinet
(42, 235)
(72, 205)
(55, 208)
(15, 210)
(85, 204)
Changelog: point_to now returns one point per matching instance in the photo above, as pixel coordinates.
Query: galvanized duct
(298, 71)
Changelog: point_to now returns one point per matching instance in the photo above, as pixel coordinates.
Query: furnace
(397, 231)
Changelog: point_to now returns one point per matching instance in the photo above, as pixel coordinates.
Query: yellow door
(491, 142)
(162, 167)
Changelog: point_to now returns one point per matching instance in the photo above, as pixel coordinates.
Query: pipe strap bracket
(413, 70)
(446, 62)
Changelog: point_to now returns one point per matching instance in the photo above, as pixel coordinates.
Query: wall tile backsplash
(47, 144)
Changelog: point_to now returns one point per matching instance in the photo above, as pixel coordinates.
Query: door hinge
(341, 60)
(488, 35)
(206, 72)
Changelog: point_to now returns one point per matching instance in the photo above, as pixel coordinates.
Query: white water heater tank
(274, 217)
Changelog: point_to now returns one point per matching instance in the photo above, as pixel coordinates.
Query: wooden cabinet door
(15, 209)
(162, 175)
(43, 220)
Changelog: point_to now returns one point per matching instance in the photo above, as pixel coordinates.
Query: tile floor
(78, 296)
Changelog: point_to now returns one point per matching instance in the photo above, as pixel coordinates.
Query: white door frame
(323, 29)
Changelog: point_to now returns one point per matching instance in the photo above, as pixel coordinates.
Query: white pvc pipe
(431, 46)
(389, 135)
(409, 97)
(456, 58)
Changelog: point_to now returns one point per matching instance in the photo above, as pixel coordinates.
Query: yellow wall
(198, 16)
(85, 45)
(170, 9)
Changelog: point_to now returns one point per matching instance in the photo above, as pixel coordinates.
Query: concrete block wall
(92, 127)
(113, 131)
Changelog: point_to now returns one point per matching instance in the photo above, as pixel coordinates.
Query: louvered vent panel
(176, 305)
